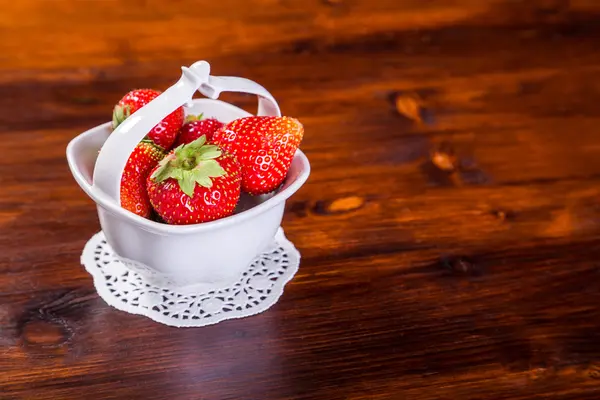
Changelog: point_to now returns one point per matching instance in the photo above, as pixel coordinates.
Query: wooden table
(450, 230)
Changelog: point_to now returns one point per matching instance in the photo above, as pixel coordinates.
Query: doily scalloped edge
(280, 240)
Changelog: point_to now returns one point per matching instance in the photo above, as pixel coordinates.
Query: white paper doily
(135, 289)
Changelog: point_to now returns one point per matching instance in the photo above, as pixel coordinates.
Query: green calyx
(191, 164)
(191, 117)
(120, 114)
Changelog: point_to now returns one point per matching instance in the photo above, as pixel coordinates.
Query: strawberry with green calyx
(165, 132)
(142, 160)
(264, 146)
(194, 183)
(195, 126)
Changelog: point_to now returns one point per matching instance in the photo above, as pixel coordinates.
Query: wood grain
(477, 279)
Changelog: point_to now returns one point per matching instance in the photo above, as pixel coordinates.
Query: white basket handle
(120, 144)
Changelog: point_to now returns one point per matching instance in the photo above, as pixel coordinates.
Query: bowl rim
(106, 203)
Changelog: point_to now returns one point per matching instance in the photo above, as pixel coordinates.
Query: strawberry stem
(188, 164)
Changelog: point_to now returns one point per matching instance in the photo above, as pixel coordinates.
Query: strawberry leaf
(204, 181)
(161, 173)
(198, 143)
(211, 152)
(210, 168)
(191, 117)
(163, 170)
(177, 149)
(187, 182)
(120, 114)
(177, 173)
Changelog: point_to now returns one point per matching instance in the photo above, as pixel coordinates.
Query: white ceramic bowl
(214, 253)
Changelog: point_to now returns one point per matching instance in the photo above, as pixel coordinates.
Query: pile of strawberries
(192, 170)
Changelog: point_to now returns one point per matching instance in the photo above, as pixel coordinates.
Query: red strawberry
(142, 160)
(195, 126)
(165, 132)
(195, 183)
(264, 146)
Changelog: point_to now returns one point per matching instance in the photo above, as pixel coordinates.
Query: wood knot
(46, 332)
(446, 167)
(503, 215)
(409, 105)
(444, 157)
(298, 208)
(460, 265)
(441, 166)
(339, 206)
(593, 371)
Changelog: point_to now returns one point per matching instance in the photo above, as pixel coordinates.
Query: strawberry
(165, 132)
(142, 160)
(195, 126)
(264, 146)
(196, 182)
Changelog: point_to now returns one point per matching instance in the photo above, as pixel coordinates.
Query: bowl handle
(116, 150)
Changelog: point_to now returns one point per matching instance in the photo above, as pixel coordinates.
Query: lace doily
(134, 288)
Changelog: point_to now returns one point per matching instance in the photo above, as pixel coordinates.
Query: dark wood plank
(480, 281)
